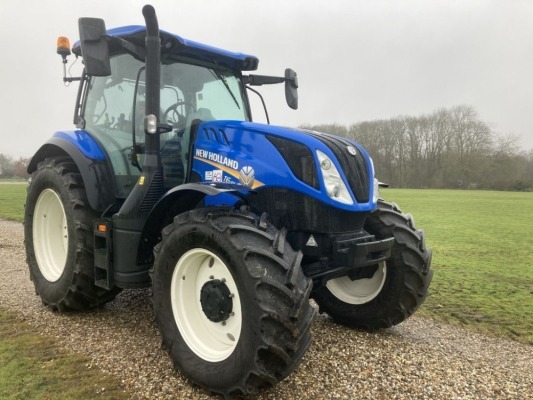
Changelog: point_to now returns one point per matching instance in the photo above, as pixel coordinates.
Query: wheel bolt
(211, 277)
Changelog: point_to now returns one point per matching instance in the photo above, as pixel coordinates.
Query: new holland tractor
(166, 182)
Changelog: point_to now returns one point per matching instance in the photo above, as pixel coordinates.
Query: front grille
(299, 159)
(354, 166)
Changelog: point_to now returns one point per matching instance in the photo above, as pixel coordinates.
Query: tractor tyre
(59, 238)
(397, 287)
(230, 300)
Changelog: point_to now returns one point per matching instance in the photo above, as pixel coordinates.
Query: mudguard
(90, 160)
(176, 201)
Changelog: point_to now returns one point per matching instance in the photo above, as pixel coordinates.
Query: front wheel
(231, 300)
(389, 292)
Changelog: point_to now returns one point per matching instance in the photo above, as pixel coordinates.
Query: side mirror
(291, 88)
(94, 49)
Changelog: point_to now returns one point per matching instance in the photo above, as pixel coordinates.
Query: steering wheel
(173, 117)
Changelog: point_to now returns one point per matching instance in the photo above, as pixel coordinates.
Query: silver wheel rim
(50, 235)
(359, 291)
(211, 341)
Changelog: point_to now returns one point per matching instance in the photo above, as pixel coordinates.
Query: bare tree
(20, 167)
(470, 145)
(508, 167)
(6, 166)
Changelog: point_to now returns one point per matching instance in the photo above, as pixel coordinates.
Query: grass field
(482, 257)
(12, 198)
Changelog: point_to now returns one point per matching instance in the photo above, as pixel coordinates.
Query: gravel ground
(419, 359)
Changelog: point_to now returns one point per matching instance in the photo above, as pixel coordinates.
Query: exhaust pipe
(153, 79)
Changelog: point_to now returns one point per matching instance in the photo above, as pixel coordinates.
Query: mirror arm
(72, 79)
(262, 101)
(259, 80)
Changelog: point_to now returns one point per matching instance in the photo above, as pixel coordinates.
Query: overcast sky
(356, 60)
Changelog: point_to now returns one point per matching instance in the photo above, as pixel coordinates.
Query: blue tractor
(166, 182)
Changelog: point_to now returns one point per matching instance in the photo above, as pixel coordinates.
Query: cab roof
(175, 46)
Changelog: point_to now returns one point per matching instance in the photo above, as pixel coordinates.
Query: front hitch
(349, 257)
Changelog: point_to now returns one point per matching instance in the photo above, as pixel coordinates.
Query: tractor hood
(262, 156)
(173, 46)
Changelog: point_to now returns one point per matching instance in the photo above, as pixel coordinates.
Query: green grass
(482, 257)
(32, 367)
(12, 198)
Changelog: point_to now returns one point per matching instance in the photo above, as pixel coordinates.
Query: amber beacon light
(63, 46)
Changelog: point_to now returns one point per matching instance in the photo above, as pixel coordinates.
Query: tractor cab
(196, 85)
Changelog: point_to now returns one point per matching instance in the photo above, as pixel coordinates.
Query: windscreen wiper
(221, 77)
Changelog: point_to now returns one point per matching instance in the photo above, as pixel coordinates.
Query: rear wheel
(389, 292)
(231, 300)
(59, 240)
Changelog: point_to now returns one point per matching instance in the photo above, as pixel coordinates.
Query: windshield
(114, 112)
(194, 88)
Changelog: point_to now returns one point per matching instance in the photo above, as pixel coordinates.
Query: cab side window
(109, 116)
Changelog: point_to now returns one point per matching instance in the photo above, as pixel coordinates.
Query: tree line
(449, 148)
(11, 168)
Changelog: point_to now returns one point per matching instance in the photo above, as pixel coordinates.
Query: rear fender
(92, 166)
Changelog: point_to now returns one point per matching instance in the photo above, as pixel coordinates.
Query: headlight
(375, 197)
(335, 187)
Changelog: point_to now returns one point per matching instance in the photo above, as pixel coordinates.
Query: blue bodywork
(248, 146)
(84, 142)
(90, 159)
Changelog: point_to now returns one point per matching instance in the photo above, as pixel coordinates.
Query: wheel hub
(216, 300)
(361, 290)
